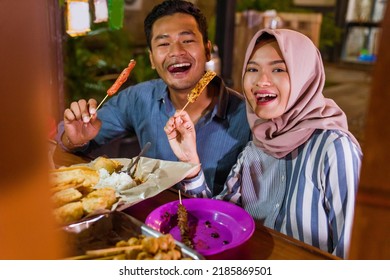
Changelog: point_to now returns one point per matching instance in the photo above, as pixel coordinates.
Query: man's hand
(81, 123)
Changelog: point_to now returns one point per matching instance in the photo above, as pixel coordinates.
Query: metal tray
(105, 230)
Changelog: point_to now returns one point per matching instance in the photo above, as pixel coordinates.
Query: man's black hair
(170, 7)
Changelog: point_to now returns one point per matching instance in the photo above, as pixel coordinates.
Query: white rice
(119, 181)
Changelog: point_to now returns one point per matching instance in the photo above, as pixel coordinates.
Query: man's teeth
(181, 65)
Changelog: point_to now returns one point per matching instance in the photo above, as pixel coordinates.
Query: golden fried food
(109, 164)
(93, 204)
(68, 213)
(68, 177)
(108, 193)
(66, 196)
(150, 245)
(99, 199)
(167, 242)
(93, 188)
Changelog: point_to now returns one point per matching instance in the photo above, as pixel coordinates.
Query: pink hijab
(307, 108)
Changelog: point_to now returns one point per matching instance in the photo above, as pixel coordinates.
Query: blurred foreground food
(138, 248)
(82, 190)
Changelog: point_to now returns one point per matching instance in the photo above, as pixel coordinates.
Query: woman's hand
(181, 135)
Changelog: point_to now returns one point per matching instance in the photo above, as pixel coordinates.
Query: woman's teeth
(265, 97)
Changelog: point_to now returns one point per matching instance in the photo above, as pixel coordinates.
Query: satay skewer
(198, 89)
(119, 81)
(182, 222)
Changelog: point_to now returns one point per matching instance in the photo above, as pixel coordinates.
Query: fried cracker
(68, 213)
(66, 196)
(99, 199)
(68, 177)
(110, 165)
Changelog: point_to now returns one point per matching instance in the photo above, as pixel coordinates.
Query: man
(176, 33)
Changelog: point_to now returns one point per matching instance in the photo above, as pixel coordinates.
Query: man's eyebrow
(161, 36)
(164, 36)
(187, 32)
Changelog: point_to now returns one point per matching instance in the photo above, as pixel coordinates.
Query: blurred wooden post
(224, 37)
(246, 25)
(306, 23)
(371, 231)
(27, 228)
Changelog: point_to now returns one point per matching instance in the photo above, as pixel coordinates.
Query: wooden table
(264, 244)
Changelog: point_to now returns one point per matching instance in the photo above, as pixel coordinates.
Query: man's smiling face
(178, 52)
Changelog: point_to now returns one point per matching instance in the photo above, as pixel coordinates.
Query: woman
(300, 173)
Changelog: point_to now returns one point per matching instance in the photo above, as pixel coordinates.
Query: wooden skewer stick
(112, 251)
(180, 197)
(121, 256)
(101, 102)
(181, 111)
(81, 257)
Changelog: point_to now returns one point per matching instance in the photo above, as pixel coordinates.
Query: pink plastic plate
(215, 225)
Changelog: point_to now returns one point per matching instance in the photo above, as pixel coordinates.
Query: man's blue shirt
(144, 109)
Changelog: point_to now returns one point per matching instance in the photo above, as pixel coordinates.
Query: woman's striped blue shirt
(309, 194)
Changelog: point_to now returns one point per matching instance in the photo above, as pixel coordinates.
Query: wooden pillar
(226, 11)
(371, 231)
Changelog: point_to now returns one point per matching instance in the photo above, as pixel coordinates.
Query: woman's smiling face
(266, 81)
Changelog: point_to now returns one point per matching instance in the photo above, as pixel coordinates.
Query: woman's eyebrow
(277, 62)
(281, 61)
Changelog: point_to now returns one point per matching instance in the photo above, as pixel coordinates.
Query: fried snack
(68, 213)
(200, 86)
(182, 223)
(91, 185)
(167, 242)
(77, 176)
(109, 164)
(93, 204)
(109, 194)
(66, 196)
(99, 199)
